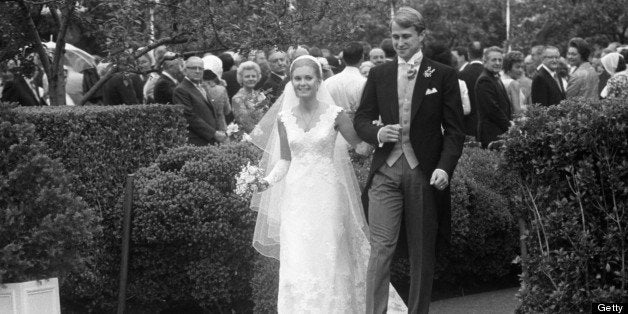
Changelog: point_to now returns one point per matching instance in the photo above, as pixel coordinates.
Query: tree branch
(31, 30)
(176, 39)
(110, 72)
(57, 88)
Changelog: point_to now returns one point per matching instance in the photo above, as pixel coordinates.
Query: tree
(119, 28)
(556, 21)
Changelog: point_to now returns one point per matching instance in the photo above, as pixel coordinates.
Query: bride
(310, 218)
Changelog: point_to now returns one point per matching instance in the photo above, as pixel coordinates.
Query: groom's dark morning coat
(433, 149)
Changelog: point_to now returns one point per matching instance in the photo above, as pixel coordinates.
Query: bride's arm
(281, 167)
(345, 126)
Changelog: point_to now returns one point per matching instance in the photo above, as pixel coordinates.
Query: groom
(413, 162)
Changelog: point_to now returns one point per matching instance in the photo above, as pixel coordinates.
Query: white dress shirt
(346, 88)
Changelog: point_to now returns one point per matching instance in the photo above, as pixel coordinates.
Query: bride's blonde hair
(307, 61)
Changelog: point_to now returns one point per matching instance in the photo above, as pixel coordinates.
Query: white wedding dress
(324, 251)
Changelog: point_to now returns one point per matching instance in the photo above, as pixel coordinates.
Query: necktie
(560, 84)
(202, 90)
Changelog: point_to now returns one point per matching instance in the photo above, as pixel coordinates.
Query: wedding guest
(547, 86)
(229, 74)
(494, 108)
(389, 50)
(316, 52)
(199, 112)
(22, 89)
(218, 97)
(365, 68)
(346, 87)
(513, 71)
(123, 88)
(377, 56)
(460, 57)
(470, 74)
(617, 86)
(583, 80)
(248, 103)
(150, 75)
(169, 79)
(276, 81)
(326, 53)
(262, 61)
(366, 48)
(335, 64)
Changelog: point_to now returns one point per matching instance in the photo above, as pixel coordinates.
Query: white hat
(213, 63)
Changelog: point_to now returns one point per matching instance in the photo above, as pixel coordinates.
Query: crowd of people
(231, 87)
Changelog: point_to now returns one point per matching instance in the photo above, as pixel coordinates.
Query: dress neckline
(320, 118)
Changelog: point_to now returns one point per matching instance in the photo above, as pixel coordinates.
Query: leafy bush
(100, 145)
(42, 222)
(191, 238)
(484, 235)
(571, 160)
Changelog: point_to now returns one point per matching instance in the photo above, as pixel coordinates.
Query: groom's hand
(440, 179)
(390, 133)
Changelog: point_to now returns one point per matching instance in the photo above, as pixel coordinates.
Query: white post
(508, 24)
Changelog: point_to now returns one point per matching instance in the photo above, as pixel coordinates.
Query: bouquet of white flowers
(250, 180)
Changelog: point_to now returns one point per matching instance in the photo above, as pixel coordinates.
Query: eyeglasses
(194, 68)
(552, 57)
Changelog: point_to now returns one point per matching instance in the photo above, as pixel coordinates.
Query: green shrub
(42, 221)
(484, 235)
(100, 145)
(192, 236)
(571, 160)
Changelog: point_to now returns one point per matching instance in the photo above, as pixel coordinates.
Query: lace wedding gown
(324, 252)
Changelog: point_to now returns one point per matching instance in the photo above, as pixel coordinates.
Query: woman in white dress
(310, 218)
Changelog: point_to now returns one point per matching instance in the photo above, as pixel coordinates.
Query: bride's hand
(262, 185)
(363, 149)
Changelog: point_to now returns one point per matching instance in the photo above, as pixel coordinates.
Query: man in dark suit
(494, 108)
(22, 88)
(469, 73)
(277, 79)
(168, 81)
(413, 161)
(547, 87)
(201, 116)
(123, 88)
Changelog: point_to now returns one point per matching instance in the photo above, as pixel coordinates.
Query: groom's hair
(352, 53)
(408, 17)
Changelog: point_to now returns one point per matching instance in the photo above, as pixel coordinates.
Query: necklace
(308, 122)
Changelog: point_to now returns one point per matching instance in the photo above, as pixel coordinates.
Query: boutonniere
(429, 72)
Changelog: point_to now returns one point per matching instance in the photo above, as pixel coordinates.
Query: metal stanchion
(126, 240)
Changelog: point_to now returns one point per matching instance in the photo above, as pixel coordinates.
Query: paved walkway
(494, 302)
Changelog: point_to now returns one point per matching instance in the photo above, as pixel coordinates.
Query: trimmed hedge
(571, 160)
(42, 221)
(100, 145)
(191, 242)
(484, 233)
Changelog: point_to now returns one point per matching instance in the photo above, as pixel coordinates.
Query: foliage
(572, 169)
(554, 22)
(100, 146)
(191, 239)
(459, 22)
(43, 223)
(484, 234)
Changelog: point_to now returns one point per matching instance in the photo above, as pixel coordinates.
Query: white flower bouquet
(250, 180)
